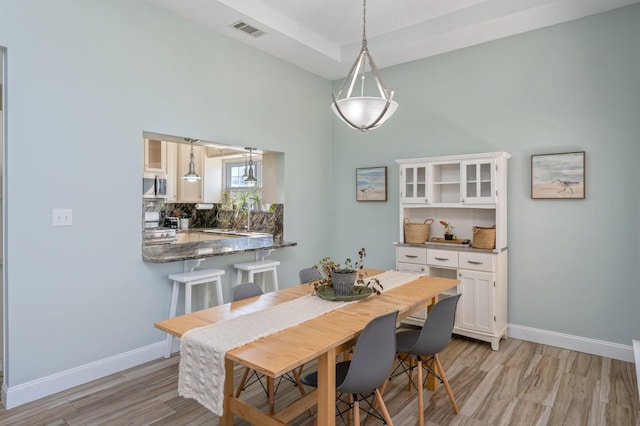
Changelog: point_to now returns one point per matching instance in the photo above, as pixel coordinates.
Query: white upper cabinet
(452, 181)
(155, 156)
(478, 177)
(414, 183)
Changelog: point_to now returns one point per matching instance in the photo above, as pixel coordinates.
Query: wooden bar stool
(258, 267)
(189, 279)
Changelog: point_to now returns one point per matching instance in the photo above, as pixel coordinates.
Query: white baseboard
(45, 386)
(574, 343)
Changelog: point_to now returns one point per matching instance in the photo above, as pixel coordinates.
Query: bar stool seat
(190, 279)
(258, 267)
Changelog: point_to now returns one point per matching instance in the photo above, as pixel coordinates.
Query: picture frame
(558, 176)
(371, 183)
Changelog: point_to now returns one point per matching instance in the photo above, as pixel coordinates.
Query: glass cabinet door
(478, 178)
(414, 178)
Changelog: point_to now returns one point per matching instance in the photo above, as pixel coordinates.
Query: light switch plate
(62, 217)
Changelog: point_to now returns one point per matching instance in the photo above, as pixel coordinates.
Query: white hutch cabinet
(466, 191)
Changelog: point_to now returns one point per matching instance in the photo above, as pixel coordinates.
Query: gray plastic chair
(369, 367)
(309, 274)
(244, 291)
(240, 292)
(424, 345)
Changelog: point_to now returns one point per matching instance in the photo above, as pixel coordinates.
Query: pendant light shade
(363, 112)
(191, 176)
(251, 177)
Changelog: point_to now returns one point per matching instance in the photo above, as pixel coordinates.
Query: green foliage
(327, 267)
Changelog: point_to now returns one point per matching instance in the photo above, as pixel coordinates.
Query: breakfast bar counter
(164, 253)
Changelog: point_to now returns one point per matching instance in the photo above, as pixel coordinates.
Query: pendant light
(251, 178)
(245, 175)
(363, 112)
(191, 176)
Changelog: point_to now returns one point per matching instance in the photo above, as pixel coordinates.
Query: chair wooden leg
(297, 373)
(242, 381)
(383, 406)
(356, 413)
(350, 412)
(446, 384)
(420, 395)
(380, 390)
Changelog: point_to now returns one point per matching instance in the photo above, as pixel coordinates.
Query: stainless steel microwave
(154, 185)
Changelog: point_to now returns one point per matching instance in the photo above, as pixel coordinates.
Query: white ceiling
(324, 36)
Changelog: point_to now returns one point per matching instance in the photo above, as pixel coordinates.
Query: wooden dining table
(320, 338)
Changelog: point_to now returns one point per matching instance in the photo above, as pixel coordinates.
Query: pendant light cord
(364, 24)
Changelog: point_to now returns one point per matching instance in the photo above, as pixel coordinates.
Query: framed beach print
(558, 176)
(371, 184)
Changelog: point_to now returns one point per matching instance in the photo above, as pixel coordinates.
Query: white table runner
(202, 350)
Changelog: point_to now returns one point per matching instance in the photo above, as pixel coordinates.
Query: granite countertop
(164, 253)
(447, 246)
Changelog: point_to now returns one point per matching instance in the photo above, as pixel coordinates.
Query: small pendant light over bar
(363, 112)
(192, 176)
(251, 178)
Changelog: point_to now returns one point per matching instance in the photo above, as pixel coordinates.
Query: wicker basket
(416, 233)
(484, 238)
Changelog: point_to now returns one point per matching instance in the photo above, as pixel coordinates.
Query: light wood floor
(522, 384)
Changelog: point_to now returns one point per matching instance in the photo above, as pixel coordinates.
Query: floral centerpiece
(344, 277)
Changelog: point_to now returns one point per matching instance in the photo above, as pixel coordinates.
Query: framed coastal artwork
(371, 184)
(558, 176)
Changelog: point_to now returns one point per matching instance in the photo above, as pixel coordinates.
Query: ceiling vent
(248, 29)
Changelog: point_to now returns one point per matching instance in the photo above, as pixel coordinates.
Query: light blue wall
(573, 265)
(85, 78)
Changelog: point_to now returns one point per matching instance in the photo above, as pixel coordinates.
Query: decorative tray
(454, 241)
(359, 292)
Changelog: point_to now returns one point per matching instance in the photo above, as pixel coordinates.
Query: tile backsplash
(264, 221)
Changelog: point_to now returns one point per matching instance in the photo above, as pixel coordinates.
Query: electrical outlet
(62, 217)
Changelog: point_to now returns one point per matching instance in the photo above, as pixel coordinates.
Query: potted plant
(448, 228)
(343, 277)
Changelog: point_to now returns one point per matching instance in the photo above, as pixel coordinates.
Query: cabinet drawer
(445, 258)
(477, 261)
(411, 267)
(411, 254)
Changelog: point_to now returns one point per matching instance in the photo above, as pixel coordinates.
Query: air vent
(248, 29)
